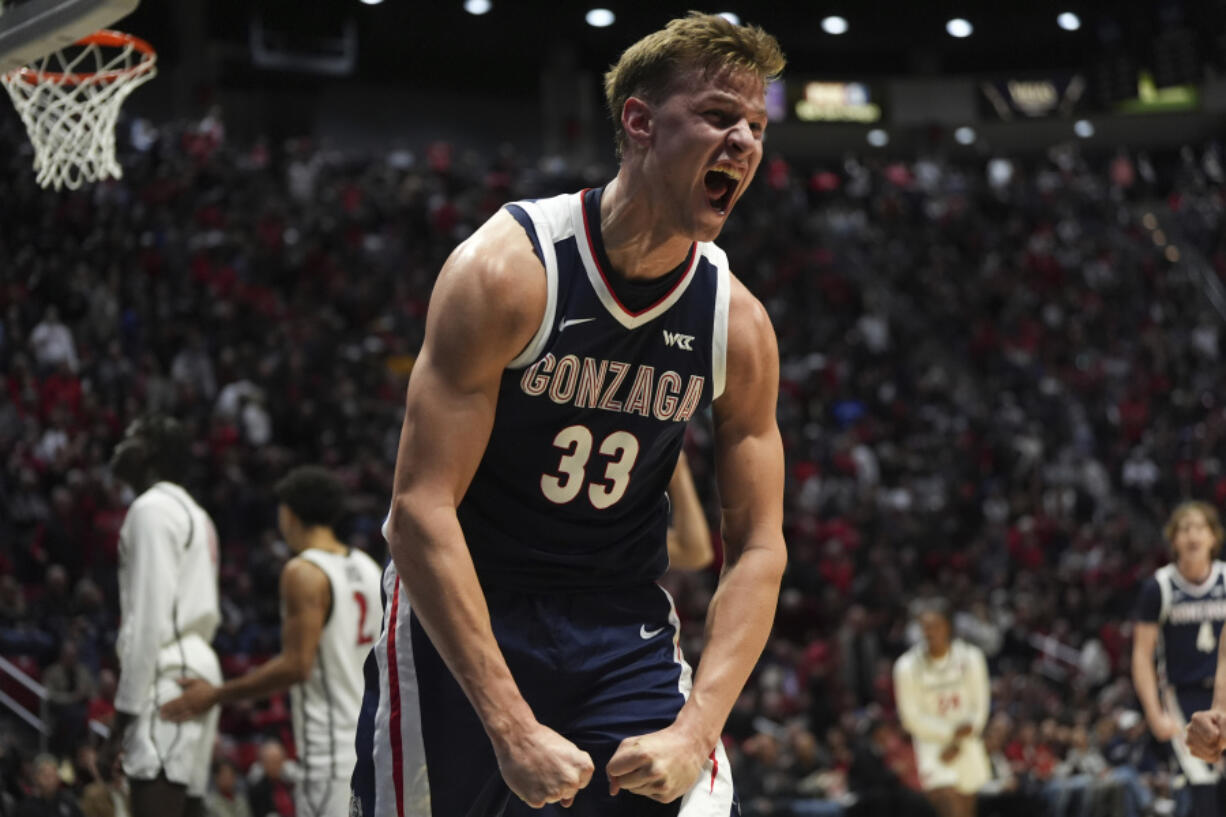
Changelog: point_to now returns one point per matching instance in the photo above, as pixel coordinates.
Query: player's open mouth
(721, 184)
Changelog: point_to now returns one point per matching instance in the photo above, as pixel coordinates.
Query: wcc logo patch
(678, 340)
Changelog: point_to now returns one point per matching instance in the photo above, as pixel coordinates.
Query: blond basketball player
(941, 686)
(169, 612)
(330, 618)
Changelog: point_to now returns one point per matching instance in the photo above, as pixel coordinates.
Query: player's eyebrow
(719, 97)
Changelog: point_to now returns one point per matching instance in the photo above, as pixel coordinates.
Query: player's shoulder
(366, 561)
(495, 280)
(303, 574)
(498, 250)
(745, 310)
(907, 660)
(751, 336)
(156, 503)
(1160, 576)
(967, 648)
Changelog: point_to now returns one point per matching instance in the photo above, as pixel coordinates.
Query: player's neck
(320, 538)
(636, 233)
(933, 655)
(1195, 573)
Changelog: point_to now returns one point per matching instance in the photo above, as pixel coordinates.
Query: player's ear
(637, 121)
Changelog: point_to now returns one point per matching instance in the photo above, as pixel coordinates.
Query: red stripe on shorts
(393, 685)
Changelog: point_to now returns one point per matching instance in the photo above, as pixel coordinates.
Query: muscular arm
(749, 469)
(689, 538)
(306, 596)
(486, 307)
(478, 322)
(1144, 674)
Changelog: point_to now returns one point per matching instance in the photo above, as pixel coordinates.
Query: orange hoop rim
(106, 37)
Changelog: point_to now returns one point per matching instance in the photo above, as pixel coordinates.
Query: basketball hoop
(69, 101)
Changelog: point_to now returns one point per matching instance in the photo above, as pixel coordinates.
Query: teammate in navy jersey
(1179, 620)
(528, 657)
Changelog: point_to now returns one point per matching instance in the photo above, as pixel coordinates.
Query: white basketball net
(69, 101)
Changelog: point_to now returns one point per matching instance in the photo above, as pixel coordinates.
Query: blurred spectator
(99, 795)
(226, 798)
(102, 705)
(52, 343)
(270, 789)
(70, 686)
(47, 797)
(875, 780)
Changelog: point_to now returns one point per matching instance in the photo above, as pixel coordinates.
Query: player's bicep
(1144, 639)
(748, 446)
(485, 308)
(306, 596)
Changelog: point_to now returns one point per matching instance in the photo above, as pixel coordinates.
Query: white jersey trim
(712, 794)
(1197, 771)
(630, 320)
(719, 329)
(1169, 577)
(399, 750)
(1163, 576)
(545, 236)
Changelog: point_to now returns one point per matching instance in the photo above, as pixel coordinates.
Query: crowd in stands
(998, 376)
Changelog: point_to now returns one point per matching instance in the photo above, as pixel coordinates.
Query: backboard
(30, 29)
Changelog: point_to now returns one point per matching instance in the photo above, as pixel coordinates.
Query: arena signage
(836, 102)
(1032, 98)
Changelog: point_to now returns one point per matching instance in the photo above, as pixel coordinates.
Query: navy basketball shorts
(1180, 703)
(595, 667)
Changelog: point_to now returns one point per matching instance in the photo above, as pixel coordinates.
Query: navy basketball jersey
(570, 493)
(1190, 618)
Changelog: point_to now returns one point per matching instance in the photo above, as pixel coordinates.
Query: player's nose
(739, 138)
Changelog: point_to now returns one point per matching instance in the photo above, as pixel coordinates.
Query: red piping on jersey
(714, 771)
(587, 229)
(393, 685)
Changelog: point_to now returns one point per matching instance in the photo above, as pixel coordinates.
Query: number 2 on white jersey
(621, 447)
(363, 605)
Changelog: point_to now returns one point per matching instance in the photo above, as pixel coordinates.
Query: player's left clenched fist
(1207, 735)
(661, 765)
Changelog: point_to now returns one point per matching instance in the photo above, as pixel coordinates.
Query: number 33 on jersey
(571, 489)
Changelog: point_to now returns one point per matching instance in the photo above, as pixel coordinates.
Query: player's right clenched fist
(1207, 735)
(540, 766)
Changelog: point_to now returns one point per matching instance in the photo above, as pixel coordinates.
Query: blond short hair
(1211, 517)
(706, 41)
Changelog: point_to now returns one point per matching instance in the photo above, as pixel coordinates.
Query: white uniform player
(330, 618)
(326, 704)
(935, 697)
(169, 612)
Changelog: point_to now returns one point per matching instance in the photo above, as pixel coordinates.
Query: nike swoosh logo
(645, 634)
(573, 322)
